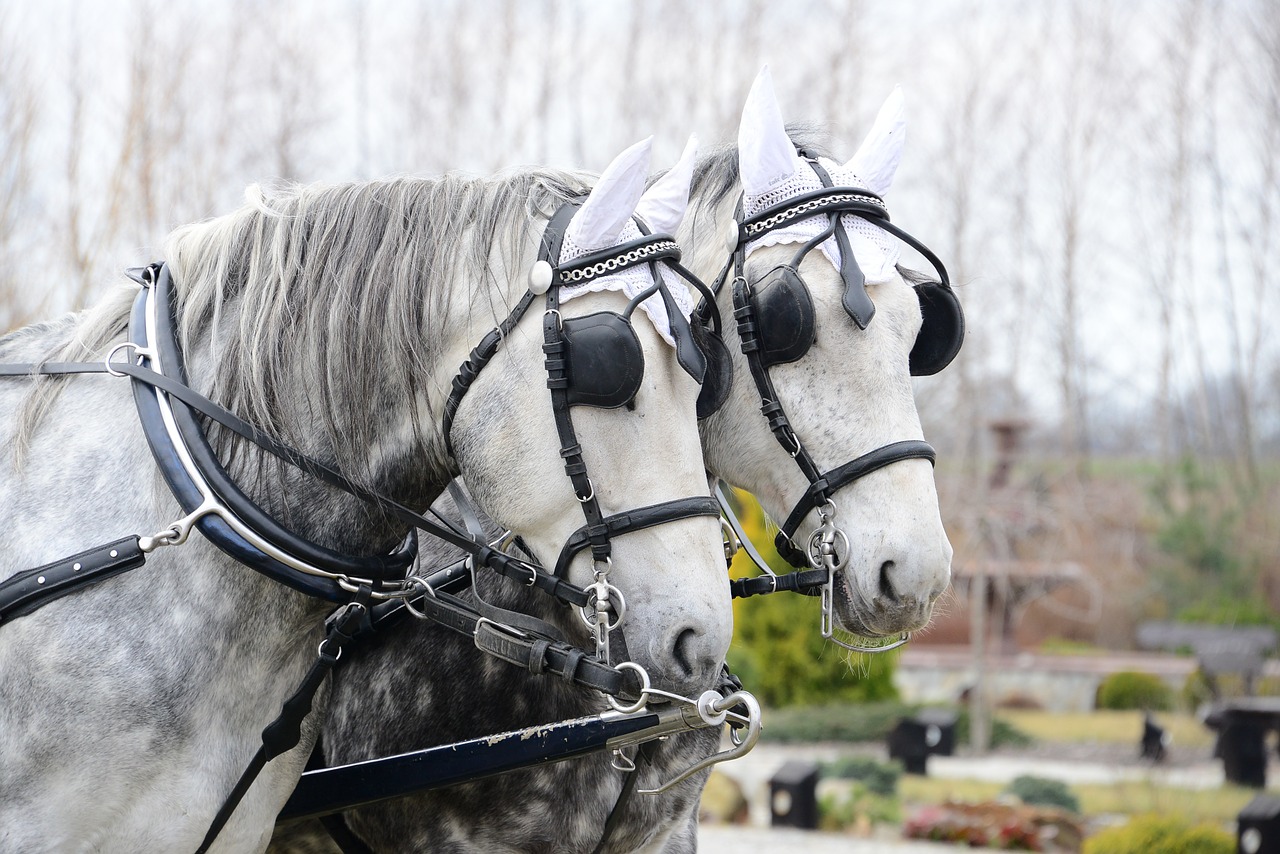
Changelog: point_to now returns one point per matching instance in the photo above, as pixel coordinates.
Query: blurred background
(1101, 178)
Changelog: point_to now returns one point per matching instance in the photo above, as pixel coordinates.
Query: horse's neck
(394, 466)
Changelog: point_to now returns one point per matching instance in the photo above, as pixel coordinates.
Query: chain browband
(827, 200)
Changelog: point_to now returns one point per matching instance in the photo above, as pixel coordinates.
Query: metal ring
(123, 345)
(559, 317)
(320, 650)
(587, 612)
(645, 688)
(590, 495)
(827, 536)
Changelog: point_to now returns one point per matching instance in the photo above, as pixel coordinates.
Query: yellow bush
(1158, 834)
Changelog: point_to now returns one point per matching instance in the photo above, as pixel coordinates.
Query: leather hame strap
(25, 592)
(285, 732)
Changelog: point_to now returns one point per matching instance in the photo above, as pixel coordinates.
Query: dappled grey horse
(332, 319)
(840, 380)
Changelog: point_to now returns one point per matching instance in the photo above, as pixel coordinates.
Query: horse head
(832, 334)
(631, 388)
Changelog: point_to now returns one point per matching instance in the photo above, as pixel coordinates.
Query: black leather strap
(25, 592)
(636, 520)
(841, 476)
(644, 755)
(479, 357)
(534, 653)
(284, 733)
(806, 581)
(857, 303)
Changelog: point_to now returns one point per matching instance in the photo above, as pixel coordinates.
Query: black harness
(594, 360)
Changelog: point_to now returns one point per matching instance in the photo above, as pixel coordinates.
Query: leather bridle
(826, 546)
(605, 608)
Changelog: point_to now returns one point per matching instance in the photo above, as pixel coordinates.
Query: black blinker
(605, 360)
(785, 311)
(941, 334)
(718, 379)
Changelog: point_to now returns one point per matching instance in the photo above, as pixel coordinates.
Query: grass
(1107, 727)
(1124, 798)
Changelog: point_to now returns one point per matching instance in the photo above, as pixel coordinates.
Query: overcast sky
(1025, 119)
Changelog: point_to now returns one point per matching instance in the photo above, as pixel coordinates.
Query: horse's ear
(613, 199)
(766, 156)
(877, 159)
(663, 205)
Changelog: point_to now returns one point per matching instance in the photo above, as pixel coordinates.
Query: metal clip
(139, 353)
(622, 762)
(714, 710)
(177, 533)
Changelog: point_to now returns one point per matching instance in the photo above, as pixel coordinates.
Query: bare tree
(18, 113)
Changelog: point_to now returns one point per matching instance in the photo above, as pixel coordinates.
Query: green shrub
(1156, 834)
(1128, 689)
(1042, 791)
(852, 722)
(1003, 733)
(858, 805)
(1196, 690)
(879, 778)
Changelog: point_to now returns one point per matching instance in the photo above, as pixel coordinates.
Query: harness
(594, 360)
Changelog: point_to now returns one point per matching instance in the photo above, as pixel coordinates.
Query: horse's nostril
(684, 644)
(887, 590)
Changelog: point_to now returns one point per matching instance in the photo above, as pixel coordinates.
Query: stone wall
(1057, 683)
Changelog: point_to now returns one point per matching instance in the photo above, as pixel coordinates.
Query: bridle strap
(635, 520)
(832, 202)
(831, 482)
(479, 357)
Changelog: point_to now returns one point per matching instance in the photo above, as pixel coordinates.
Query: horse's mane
(339, 287)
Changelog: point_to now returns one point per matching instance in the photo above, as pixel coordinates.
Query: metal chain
(617, 262)
(801, 210)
